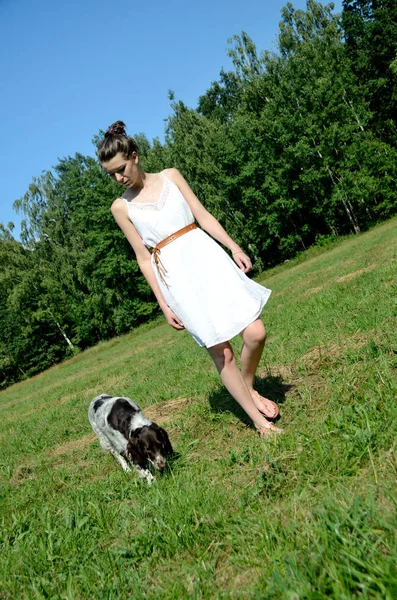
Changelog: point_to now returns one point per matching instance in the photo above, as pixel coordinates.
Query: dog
(133, 439)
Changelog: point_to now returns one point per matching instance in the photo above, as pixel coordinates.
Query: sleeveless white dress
(207, 291)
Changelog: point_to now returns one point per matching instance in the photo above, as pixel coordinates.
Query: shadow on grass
(270, 387)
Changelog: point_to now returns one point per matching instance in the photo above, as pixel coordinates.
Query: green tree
(370, 28)
(32, 323)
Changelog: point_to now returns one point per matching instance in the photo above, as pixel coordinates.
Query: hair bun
(118, 128)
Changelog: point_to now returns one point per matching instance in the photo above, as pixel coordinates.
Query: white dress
(207, 291)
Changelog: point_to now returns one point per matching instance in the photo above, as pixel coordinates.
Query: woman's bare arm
(207, 221)
(120, 214)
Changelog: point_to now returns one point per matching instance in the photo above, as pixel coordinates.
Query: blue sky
(72, 68)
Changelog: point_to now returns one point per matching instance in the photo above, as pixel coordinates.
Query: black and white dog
(125, 432)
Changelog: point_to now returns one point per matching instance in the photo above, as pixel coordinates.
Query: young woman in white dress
(197, 285)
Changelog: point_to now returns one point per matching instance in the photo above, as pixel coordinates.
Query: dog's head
(149, 443)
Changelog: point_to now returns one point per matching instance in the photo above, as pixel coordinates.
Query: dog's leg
(144, 474)
(107, 446)
(121, 460)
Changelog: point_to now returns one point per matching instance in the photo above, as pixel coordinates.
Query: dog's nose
(161, 463)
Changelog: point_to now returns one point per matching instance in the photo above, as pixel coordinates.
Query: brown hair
(116, 140)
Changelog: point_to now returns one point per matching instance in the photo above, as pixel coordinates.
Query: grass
(307, 515)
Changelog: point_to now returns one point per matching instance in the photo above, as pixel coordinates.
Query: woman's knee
(255, 333)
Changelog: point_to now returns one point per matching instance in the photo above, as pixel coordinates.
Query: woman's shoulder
(172, 174)
(119, 206)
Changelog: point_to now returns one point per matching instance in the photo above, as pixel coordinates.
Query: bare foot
(265, 406)
(268, 429)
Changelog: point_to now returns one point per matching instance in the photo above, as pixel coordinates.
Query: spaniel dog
(125, 432)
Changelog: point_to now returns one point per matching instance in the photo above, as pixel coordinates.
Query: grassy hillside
(307, 515)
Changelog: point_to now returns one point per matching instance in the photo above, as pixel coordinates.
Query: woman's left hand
(242, 260)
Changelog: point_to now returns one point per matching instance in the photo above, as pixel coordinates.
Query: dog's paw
(150, 478)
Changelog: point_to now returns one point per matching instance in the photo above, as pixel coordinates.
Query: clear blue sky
(71, 68)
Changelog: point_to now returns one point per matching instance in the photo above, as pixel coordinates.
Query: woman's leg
(254, 337)
(225, 362)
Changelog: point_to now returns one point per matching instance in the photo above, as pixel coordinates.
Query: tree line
(286, 149)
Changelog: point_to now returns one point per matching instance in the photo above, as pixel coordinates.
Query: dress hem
(227, 337)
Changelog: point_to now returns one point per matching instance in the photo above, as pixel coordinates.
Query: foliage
(370, 29)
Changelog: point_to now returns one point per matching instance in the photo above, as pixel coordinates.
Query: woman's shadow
(270, 387)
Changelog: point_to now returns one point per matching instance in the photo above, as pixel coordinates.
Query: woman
(197, 285)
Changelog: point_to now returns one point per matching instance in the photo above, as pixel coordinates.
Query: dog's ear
(165, 440)
(167, 444)
(135, 451)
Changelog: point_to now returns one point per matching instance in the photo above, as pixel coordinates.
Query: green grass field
(310, 514)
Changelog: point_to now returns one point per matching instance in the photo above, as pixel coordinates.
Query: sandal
(259, 398)
(267, 429)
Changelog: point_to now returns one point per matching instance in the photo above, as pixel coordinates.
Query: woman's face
(123, 170)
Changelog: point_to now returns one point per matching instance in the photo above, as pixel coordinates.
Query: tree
(370, 29)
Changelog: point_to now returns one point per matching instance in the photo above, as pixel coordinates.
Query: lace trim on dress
(159, 205)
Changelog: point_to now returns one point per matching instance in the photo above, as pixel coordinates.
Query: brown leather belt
(156, 250)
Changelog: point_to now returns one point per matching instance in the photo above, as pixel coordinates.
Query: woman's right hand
(172, 319)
